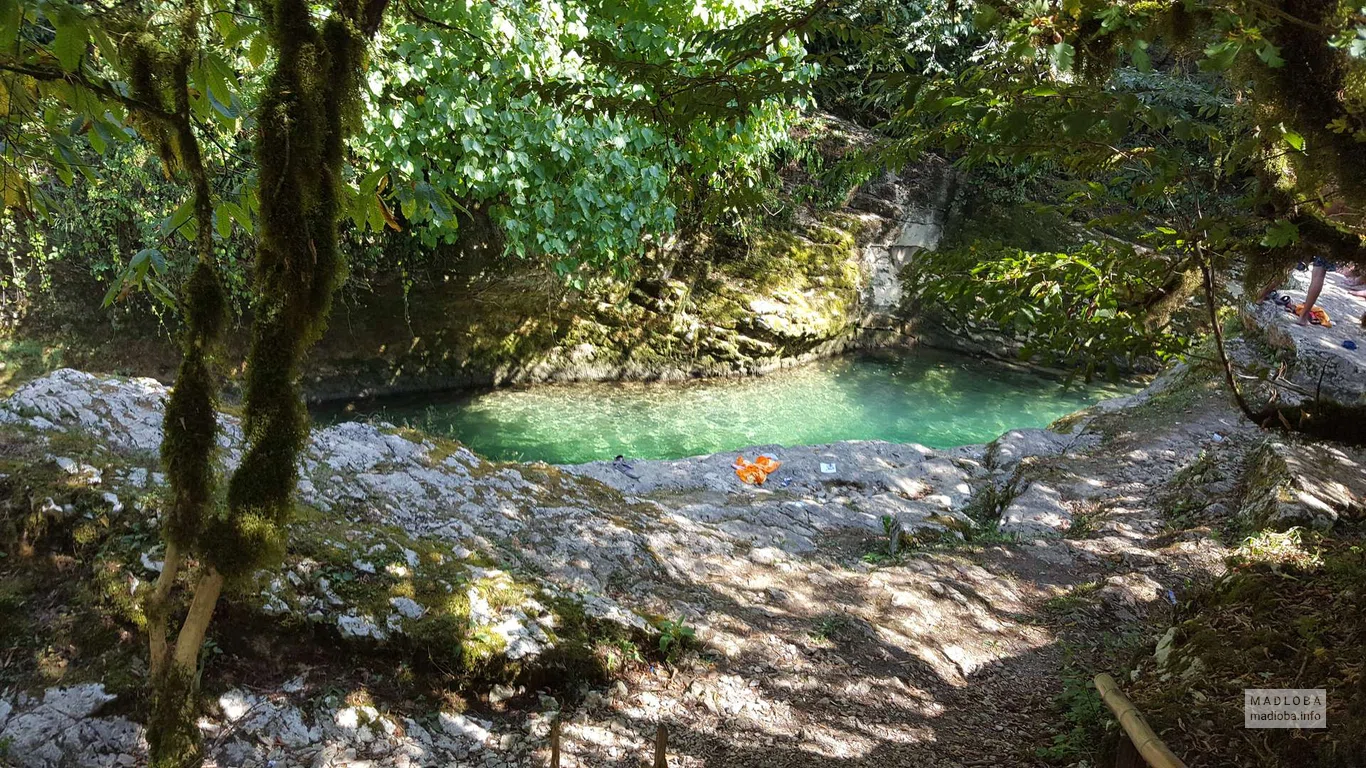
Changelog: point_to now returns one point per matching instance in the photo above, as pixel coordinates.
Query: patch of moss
(1273, 621)
(1199, 386)
(22, 360)
(68, 613)
(587, 651)
(1076, 596)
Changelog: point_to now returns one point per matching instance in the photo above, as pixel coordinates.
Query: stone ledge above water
(1319, 363)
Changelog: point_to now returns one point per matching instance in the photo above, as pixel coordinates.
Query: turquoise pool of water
(936, 399)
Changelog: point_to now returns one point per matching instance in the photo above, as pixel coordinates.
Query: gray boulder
(60, 730)
(1286, 487)
(1038, 511)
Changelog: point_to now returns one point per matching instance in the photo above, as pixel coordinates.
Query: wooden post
(555, 743)
(661, 747)
(1137, 734)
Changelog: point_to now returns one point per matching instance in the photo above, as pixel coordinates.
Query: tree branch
(1211, 302)
(191, 637)
(155, 609)
(103, 90)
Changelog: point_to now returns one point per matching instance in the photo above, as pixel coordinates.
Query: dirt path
(950, 655)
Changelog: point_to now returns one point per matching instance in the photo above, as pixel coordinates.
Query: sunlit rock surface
(1289, 485)
(1320, 363)
(397, 531)
(60, 729)
(390, 508)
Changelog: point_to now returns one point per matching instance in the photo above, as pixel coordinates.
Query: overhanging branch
(102, 90)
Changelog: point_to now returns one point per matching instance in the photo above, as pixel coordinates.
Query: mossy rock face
(379, 584)
(1285, 487)
(74, 530)
(721, 309)
(85, 537)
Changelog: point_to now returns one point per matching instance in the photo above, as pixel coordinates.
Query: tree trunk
(157, 608)
(302, 124)
(187, 451)
(172, 730)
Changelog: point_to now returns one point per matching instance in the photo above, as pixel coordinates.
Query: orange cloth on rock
(1318, 314)
(757, 471)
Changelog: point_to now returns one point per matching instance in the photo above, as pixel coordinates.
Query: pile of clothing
(757, 471)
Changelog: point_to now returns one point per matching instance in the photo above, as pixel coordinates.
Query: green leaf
(1281, 233)
(239, 215)
(97, 141)
(222, 223)
(71, 39)
(221, 79)
(108, 49)
(157, 259)
(1062, 55)
(135, 276)
(257, 50)
(1220, 56)
(1270, 55)
(374, 212)
(356, 208)
(369, 183)
(179, 218)
(11, 17)
(112, 294)
(1295, 140)
(939, 105)
(1139, 53)
(161, 293)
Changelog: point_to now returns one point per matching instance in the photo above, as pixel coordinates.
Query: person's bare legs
(1315, 288)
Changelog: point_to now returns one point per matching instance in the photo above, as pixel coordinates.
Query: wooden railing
(1138, 745)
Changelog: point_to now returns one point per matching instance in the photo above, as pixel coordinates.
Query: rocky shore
(864, 583)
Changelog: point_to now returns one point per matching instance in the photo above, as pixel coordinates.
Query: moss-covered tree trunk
(308, 107)
(190, 425)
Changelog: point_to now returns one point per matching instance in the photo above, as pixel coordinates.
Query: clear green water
(936, 399)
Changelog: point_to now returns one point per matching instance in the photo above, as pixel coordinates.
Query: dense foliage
(458, 120)
(1170, 135)
(459, 110)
